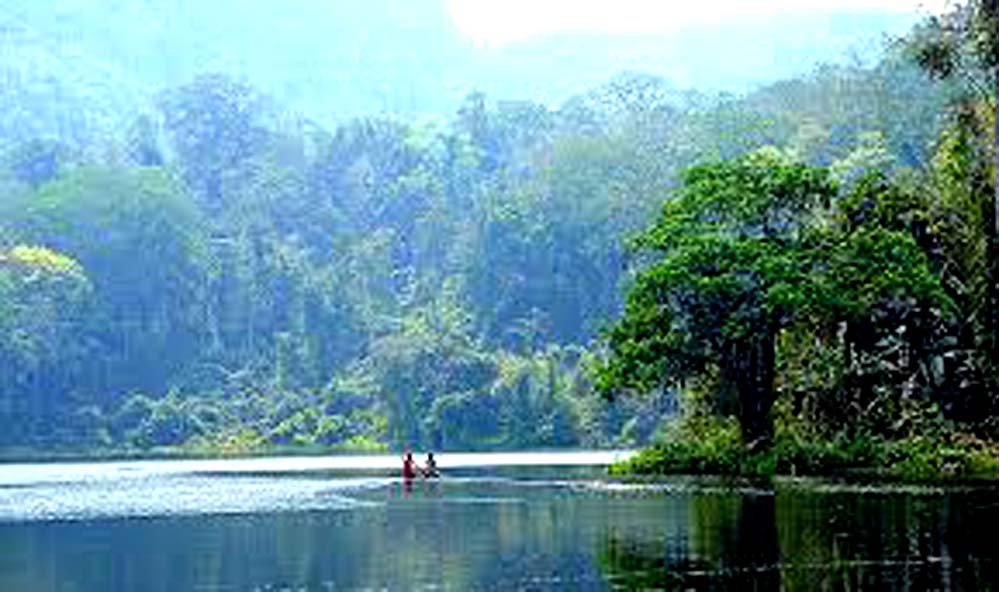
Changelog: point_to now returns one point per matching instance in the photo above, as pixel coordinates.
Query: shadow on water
(799, 539)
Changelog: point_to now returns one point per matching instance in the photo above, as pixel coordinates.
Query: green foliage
(730, 269)
(226, 276)
(709, 445)
(35, 162)
(921, 458)
(700, 446)
(42, 260)
(961, 45)
(214, 125)
(141, 242)
(961, 42)
(46, 301)
(227, 443)
(826, 456)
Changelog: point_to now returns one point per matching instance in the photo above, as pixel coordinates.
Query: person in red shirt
(408, 466)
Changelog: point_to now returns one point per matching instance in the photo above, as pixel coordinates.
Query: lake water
(534, 521)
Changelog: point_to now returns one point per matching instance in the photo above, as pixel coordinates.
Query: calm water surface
(495, 522)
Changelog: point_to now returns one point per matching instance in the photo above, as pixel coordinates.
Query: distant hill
(82, 63)
(56, 90)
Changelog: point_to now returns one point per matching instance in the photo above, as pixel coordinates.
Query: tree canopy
(222, 272)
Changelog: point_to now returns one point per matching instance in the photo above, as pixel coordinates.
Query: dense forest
(222, 273)
(819, 318)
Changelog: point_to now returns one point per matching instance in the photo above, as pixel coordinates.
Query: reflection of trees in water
(732, 540)
(801, 540)
(887, 541)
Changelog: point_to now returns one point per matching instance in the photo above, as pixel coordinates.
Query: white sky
(500, 22)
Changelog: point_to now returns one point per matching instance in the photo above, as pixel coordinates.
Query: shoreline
(179, 454)
(920, 460)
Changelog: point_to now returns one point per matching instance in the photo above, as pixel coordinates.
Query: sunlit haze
(500, 22)
(498, 295)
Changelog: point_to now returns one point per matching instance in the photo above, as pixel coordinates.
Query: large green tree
(728, 267)
(214, 125)
(142, 242)
(752, 254)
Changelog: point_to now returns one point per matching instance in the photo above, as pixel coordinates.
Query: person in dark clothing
(430, 469)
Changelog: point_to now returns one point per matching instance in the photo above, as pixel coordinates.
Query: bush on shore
(707, 445)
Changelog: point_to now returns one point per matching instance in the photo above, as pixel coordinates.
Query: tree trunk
(992, 263)
(757, 370)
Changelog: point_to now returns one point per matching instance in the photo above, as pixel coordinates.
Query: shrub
(709, 445)
(921, 458)
(697, 445)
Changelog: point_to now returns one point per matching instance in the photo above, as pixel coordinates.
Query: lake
(534, 521)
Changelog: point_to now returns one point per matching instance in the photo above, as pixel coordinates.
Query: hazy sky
(334, 59)
(495, 23)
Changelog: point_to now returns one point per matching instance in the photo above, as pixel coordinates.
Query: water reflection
(509, 529)
(805, 539)
(730, 539)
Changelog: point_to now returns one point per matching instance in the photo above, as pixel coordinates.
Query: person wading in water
(430, 469)
(408, 467)
(408, 473)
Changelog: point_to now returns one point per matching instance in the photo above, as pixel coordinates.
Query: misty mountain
(82, 63)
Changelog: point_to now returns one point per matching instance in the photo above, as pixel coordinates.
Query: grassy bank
(713, 446)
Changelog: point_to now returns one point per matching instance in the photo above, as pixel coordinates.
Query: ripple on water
(128, 489)
(177, 496)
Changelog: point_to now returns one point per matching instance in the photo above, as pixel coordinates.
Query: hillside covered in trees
(222, 273)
